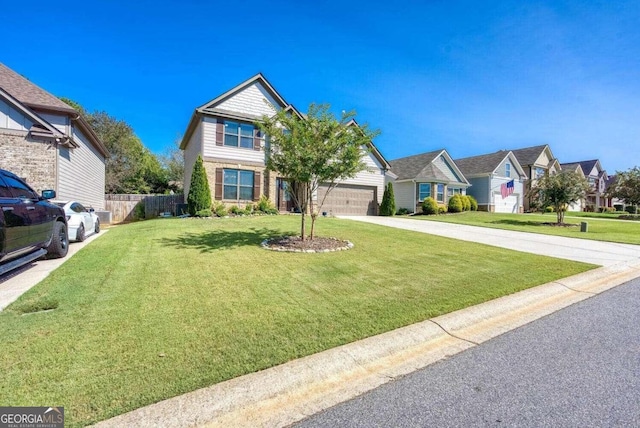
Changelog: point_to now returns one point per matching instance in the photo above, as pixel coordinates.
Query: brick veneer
(35, 161)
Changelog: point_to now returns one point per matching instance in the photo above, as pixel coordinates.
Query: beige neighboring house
(597, 178)
(536, 161)
(577, 168)
(48, 143)
(222, 131)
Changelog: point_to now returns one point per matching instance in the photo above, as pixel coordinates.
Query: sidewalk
(287, 393)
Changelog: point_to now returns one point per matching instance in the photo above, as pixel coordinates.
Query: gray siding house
(487, 174)
(48, 143)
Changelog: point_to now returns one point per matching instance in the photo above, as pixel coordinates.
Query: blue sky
(472, 77)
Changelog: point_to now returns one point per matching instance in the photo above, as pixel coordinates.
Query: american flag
(507, 188)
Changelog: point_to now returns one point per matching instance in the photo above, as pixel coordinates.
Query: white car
(81, 222)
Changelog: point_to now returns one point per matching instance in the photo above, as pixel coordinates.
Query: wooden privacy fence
(123, 207)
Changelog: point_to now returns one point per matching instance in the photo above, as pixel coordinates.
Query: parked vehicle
(81, 222)
(30, 226)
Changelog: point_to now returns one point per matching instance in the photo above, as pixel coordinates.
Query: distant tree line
(131, 167)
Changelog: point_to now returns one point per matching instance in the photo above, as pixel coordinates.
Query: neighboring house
(432, 174)
(222, 131)
(577, 168)
(536, 162)
(597, 178)
(487, 174)
(48, 143)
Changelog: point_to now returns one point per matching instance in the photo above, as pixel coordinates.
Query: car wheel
(97, 228)
(80, 236)
(59, 245)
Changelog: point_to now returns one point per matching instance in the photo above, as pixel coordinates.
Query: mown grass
(600, 229)
(158, 308)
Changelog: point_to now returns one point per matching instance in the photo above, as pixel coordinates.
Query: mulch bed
(560, 224)
(315, 245)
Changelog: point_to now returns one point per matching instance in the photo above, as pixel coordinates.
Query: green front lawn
(600, 229)
(162, 307)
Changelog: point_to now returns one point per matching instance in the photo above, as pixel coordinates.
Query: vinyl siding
(518, 188)
(479, 189)
(372, 176)
(191, 152)
(81, 173)
(251, 101)
(13, 119)
(211, 150)
(58, 122)
(404, 195)
(444, 166)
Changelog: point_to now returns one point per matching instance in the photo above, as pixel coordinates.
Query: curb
(285, 394)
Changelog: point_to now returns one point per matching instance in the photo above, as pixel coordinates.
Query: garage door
(506, 205)
(349, 200)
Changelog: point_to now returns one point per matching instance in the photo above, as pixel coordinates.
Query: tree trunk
(302, 227)
(560, 213)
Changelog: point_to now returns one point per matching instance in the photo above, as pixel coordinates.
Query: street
(578, 367)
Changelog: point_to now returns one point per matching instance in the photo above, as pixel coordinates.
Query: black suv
(30, 226)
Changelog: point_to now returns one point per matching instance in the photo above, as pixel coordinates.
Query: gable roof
(30, 94)
(528, 155)
(40, 128)
(588, 165)
(572, 166)
(421, 166)
(487, 164)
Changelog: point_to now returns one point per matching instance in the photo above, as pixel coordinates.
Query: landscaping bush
(442, 209)
(466, 203)
(548, 209)
(235, 210)
(139, 211)
(199, 197)
(204, 213)
(429, 206)
(388, 206)
(630, 209)
(265, 206)
(220, 209)
(455, 204)
(619, 207)
(473, 202)
(402, 211)
(248, 210)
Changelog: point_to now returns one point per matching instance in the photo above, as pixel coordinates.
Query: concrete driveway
(581, 250)
(15, 283)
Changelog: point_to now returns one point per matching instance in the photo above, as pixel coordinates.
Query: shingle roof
(412, 166)
(587, 166)
(571, 166)
(528, 155)
(28, 93)
(483, 164)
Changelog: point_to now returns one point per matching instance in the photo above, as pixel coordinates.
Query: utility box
(584, 226)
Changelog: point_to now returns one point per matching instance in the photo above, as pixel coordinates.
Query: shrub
(402, 211)
(264, 205)
(473, 202)
(199, 197)
(548, 209)
(248, 210)
(233, 209)
(429, 206)
(455, 204)
(139, 211)
(630, 209)
(618, 207)
(442, 209)
(204, 213)
(388, 206)
(466, 203)
(220, 209)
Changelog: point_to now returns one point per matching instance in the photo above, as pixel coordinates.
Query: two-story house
(597, 178)
(536, 162)
(223, 132)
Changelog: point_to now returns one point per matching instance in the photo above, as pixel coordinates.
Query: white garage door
(506, 205)
(349, 200)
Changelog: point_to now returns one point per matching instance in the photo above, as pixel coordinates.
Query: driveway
(15, 283)
(581, 250)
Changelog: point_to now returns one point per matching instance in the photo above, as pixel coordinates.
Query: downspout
(415, 191)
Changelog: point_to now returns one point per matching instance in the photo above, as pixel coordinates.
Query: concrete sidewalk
(581, 250)
(287, 393)
(15, 283)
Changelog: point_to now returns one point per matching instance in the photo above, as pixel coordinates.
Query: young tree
(627, 187)
(559, 191)
(388, 206)
(173, 163)
(314, 149)
(199, 197)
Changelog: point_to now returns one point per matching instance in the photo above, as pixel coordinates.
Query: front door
(284, 200)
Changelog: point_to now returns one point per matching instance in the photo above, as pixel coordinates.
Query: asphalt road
(579, 367)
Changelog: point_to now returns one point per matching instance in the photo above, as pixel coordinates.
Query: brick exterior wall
(35, 161)
(267, 185)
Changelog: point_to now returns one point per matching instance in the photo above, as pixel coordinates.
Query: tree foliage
(172, 160)
(130, 167)
(388, 206)
(626, 186)
(559, 191)
(199, 197)
(314, 149)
